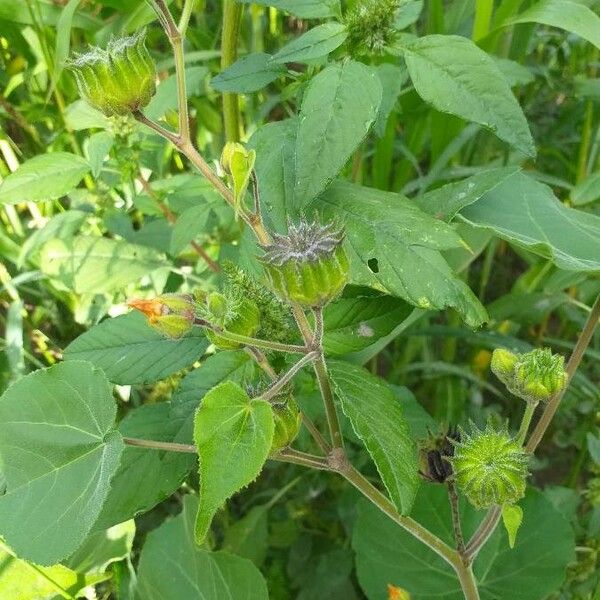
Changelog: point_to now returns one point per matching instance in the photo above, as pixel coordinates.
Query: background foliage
(460, 146)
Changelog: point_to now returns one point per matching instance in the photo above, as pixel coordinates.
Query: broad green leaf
(101, 548)
(275, 169)
(455, 76)
(233, 434)
(44, 177)
(248, 74)
(392, 79)
(172, 566)
(58, 451)
(569, 15)
(63, 225)
(131, 352)
(338, 109)
(512, 517)
(94, 264)
(526, 213)
(98, 147)
(420, 422)
(394, 247)
(378, 420)
(359, 319)
(305, 9)
(408, 12)
(514, 73)
(444, 202)
(80, 115)
(228, 365)
(20, 580)
(145, 478)
(587, 191)
(249, 536)
(166, 94)
(189, 224)
(315, 43)
(534, 569)
(63, 38)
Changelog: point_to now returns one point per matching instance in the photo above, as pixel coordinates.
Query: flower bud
(534, 376)
(309, 266)
(503, 364)
(288, 419)
(241, 317)
(171, 314)
(489, 467)
(118, 80)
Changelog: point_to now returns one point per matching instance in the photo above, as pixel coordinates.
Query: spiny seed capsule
(489, 467)
(171, 314)
(309, 265)
(118, 80)
(534, 376)
(288, 419)
(236, 316)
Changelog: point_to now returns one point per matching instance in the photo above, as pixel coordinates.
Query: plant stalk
(490, 521)
(232, 15)
(287, 377)
(156, 445)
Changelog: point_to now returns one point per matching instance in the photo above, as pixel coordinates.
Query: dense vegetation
(299, 299)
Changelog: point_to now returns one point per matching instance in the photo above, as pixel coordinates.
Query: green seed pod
(241, 317)
(309, 266)
(118, 80)
(286, 415)
(489, 467)
(535, 376)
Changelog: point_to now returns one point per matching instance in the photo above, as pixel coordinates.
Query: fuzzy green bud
(309, 266)
(371, 25)
(288, 419)
(241, 317)
(489, 467)
(171, 314)
(119, 80)
(535, 376)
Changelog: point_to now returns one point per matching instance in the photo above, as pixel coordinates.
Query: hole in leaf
(373, 265)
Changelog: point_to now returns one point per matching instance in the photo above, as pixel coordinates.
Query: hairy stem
(253, 342)
(454, 509)
(261, 360)
(287, 377)
(232, 14)
(526, 421)
(490, 521)
(155, 445)
(301, 458)
(365, 487)
(467, 582)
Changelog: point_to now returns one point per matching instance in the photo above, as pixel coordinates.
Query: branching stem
(490, 521)
(287, 377)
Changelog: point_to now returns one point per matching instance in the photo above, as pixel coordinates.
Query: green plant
(257, 316)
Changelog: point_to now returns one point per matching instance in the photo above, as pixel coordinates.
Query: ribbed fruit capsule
(489, 467)
(534, 376)
(309, 265)
(118, 80)
(243, 319)
(288, 419)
